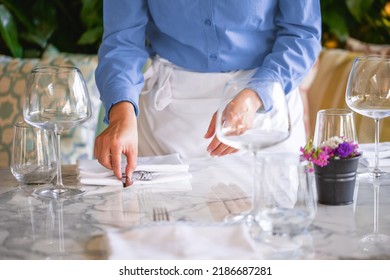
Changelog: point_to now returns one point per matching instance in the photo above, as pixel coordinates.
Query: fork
(143, 175)
(160, 214)
(140, 175)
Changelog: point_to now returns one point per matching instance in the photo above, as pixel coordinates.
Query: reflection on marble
(31, 228)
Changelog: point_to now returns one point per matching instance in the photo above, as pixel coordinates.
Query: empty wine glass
(368, 93)
(56, 99)
(334, 123)
(270, 125)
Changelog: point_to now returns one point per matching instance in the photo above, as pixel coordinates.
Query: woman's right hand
(120, 137)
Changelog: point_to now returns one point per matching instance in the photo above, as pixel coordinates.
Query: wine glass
(368, 93)
(334, 122)
(269, 126)
(375, 240)
(57, 99)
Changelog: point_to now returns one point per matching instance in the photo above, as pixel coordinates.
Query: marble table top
(32, 228)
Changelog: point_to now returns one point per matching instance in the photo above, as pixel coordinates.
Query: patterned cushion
(76, 143)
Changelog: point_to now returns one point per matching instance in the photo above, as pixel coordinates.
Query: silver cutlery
(160, 214)
(140, 175)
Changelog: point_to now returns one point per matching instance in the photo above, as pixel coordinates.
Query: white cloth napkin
(182, 241)
(368, 158)
(166, 169)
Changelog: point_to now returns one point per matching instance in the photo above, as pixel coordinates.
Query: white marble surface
(31, 228)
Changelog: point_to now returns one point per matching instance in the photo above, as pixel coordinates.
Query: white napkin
(182, 241)
(368, 158)
(166, 169)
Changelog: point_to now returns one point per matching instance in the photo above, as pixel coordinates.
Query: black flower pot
(335, 182)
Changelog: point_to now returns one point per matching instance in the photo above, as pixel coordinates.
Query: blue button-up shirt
(280, 38)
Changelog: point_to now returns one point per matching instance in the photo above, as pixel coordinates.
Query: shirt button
(207, 22)
(213, 56)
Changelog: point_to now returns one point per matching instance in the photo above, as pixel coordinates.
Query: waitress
(195, 47)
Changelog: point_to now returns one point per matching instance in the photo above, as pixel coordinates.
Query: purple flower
(333, 148)
(344, 149)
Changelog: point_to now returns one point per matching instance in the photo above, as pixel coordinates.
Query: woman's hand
(120, 137)
(238, 115)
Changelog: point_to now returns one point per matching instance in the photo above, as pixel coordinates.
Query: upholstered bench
(76, 143)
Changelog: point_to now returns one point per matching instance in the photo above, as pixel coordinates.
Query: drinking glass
(286, 205)
(368, 94)
(270, 126)
(57, 99)
(334, 122)
(33, 159)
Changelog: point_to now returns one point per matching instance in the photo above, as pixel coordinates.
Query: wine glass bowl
(266, 128)
(252, 128)
(334, 123)
(368, 94)
(56, 99)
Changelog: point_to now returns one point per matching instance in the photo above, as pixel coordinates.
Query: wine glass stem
(256, 191)
(376, 171)
(376, 208)
(61, 226)
(59, 172)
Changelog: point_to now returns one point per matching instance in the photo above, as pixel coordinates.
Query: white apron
(176, 107)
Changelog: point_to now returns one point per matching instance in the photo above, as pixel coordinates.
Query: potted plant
(334, 163)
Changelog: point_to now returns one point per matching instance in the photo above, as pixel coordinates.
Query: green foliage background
(27, 27)
(365, 20)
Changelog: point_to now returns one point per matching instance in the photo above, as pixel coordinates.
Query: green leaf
(337, 26)
(358, 8)
(91, 36)
(9, 32)
(19, 13)
(91, 13)
(45, 22)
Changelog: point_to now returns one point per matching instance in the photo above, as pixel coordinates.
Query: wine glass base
(374, 242)
(56, 193)
(244, 217)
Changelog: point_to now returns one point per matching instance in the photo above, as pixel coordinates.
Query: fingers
(116, 165)
(211, 129)
(102, 151)
(130, 166)
(109, 155)
(216, 148)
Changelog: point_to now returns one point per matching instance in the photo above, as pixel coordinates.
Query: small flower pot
(335, 182)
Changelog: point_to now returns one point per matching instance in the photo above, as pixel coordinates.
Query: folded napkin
(194, 241)
(368, 158)
(166, 169)
(182, 241)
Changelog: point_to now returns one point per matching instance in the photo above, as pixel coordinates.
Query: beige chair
(328, 91)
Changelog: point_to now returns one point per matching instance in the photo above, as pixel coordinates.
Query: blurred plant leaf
(91, 36)
(358, 8)
(337, 25)
(91, 16)
(44, 21)
(9, 32)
